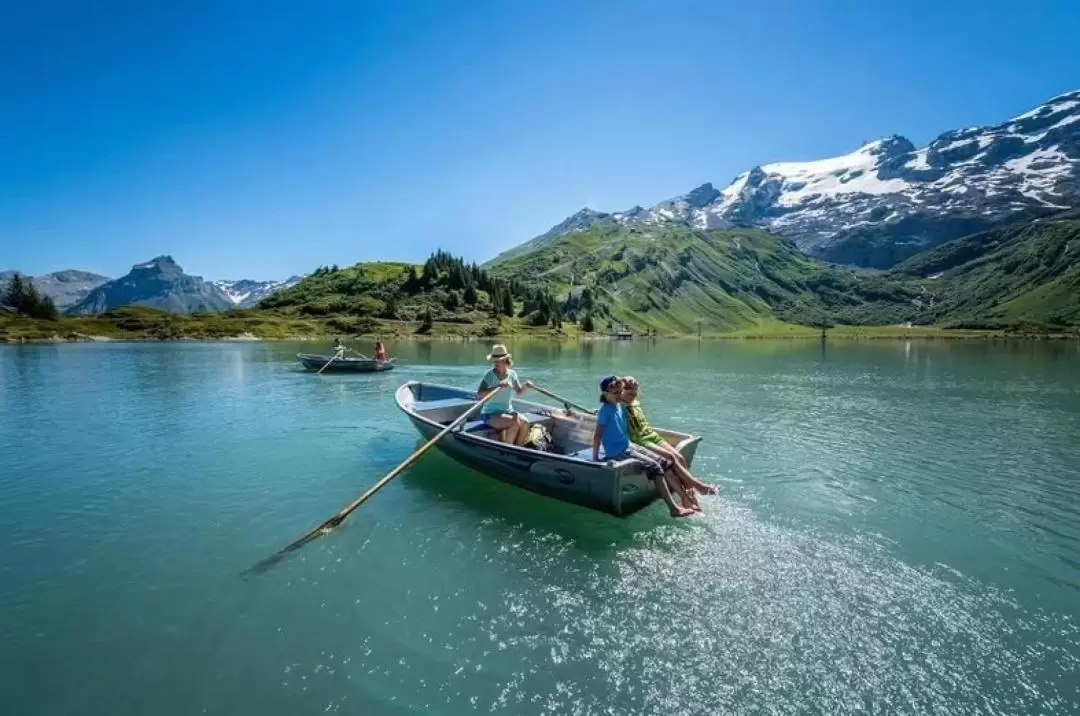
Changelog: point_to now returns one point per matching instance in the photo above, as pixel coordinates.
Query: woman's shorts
(486, 417)
(655, 465)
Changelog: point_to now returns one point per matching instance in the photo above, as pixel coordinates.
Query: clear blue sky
(261, 139)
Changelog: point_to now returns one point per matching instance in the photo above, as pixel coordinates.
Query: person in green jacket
(641, 433)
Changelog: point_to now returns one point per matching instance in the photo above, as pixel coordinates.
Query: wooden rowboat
(344, 365)
(568, 473)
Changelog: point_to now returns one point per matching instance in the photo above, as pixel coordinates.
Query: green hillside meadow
(664, 280)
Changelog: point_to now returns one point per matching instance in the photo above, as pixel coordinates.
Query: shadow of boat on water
(512, 508)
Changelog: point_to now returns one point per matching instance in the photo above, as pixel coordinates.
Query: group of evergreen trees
(444, 270)
(541, 309)
(445, 288)
(23, 296)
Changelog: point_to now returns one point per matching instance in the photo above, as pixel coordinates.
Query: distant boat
(567, 473)
(621, 334)
(343, 365)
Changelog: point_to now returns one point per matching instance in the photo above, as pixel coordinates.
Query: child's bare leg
(682, 471)
(676, 511)
(695, 483)
(686, 479)
(686, 495)
(670, 451)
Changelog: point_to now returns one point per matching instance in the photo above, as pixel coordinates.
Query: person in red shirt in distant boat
(380, 352)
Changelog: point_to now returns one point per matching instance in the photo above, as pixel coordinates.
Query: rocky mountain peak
(164, 264)
(157, 283)
(890, 199)
(702, 196)
(65, 288)
(892, 146)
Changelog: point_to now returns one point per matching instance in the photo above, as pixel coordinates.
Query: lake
(898, 531)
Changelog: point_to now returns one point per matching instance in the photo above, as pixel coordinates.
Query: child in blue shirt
(613, 434)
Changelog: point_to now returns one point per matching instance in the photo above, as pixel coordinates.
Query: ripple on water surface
(879, 545)
(727, 613)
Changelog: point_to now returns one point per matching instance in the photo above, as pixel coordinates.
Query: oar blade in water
(263, 565)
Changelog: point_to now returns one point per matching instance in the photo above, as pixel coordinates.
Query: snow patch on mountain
(247, 293)
(963, 181)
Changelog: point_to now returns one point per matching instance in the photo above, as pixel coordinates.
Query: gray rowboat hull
(618, 488)
(344, 365)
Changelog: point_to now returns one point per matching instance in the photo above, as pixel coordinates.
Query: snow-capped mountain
(889, 199)
(158, 283)
(247, 293)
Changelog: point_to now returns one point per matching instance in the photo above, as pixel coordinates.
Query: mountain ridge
(248, 293)
(888, 199)
(676, 278)
(71, 287)
(158, 283)
(65, 287)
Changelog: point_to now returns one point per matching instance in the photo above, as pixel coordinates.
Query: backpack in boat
(539, 439)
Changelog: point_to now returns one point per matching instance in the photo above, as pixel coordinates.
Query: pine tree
(587, 323)
(428, 320)
(15, 295)
(587, 298)
(46, 309)
(507, 303)
(24, 297)
(390, 311)
(470, 295)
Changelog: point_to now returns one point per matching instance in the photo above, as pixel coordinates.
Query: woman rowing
(498, 413)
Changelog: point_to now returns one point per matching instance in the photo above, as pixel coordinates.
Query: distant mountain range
(65, 288)
(887, 200)
(978, 228)
(161, 283)
(158, 283)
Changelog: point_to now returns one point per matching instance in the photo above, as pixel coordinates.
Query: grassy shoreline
(144, 325)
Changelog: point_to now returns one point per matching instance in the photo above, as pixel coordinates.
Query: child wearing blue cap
(613, 434)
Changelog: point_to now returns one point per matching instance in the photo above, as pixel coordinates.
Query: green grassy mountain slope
(1023, 274)
(444, 289)
(669, 278)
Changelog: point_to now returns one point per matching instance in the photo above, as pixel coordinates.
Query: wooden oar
(348, 509)
(332, 359)
(564, 401)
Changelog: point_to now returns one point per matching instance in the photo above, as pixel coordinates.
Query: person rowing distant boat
(380, 352)
(340, 350)
(499, 412)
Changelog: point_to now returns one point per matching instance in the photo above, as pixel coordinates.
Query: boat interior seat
(476, 426)
(426, 405)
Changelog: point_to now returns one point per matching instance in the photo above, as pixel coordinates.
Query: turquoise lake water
(898, 531)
